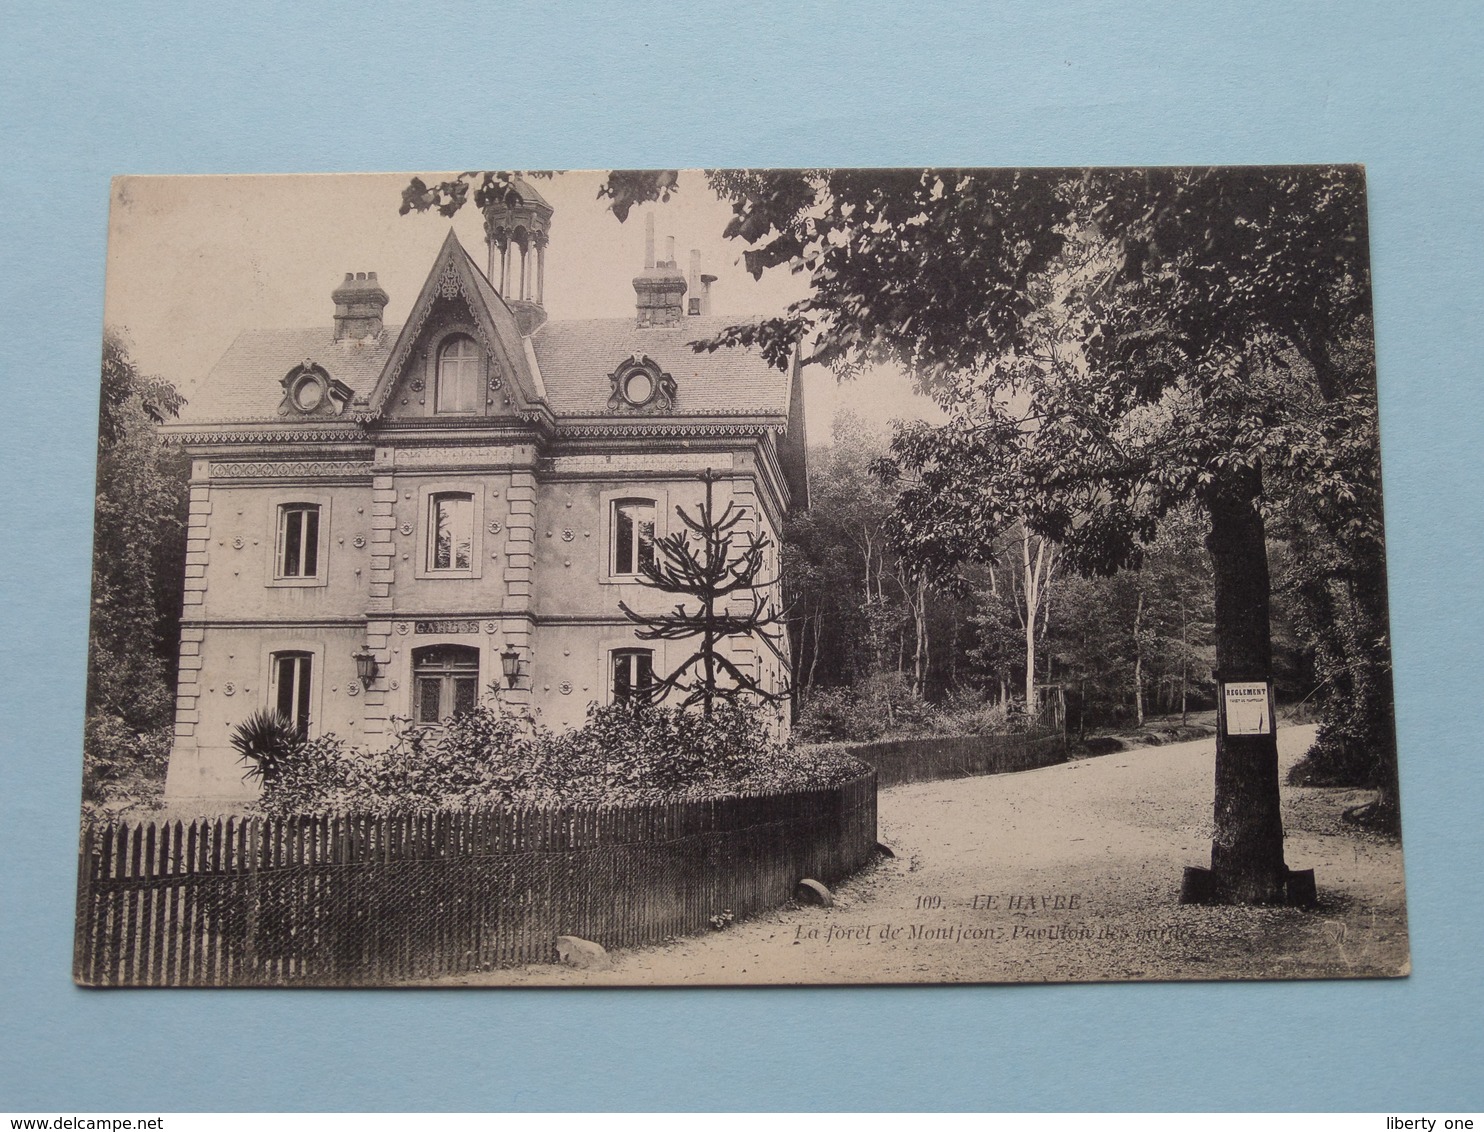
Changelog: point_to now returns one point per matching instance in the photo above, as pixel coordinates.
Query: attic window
(638, 388)
(309, 391)
(639, 385)
(458, 375)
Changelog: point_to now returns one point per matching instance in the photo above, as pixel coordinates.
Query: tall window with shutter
(450, 531)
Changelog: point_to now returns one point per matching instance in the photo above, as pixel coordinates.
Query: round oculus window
(309, 392)
(638, 388)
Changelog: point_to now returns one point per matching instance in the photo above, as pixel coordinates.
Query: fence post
(253, 836)
(83, 927)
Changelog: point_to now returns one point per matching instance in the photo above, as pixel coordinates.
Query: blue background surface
(91, 91)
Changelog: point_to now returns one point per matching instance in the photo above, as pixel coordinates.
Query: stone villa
(389, 521)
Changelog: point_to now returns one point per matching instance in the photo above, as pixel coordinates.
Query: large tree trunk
(1036, 578)
(1247, 849)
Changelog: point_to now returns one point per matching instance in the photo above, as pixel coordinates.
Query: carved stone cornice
(621, 428)
(227, 435)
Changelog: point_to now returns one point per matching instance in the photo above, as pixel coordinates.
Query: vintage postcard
(676, 577)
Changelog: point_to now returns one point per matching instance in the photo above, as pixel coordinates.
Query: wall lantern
(510, 664)
(366, 666)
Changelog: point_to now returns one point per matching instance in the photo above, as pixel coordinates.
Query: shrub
(621, 753)
(883, 707)
(122, 764)
(836, 714)
(266, 743)
(967, 712)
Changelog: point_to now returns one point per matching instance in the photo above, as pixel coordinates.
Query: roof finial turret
(521, 219)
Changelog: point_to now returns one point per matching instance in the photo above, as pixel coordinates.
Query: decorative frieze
(636, 462)
(288, 469)
(471, 455)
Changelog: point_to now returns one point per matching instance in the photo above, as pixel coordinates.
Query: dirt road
(1069, 873)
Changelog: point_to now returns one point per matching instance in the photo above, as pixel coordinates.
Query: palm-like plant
(263, 742)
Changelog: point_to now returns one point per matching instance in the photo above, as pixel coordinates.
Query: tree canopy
(1107, 342)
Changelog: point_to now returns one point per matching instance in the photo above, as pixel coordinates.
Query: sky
(194, 260)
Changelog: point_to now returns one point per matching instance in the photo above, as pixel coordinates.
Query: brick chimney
(358, 305)
(660, 288)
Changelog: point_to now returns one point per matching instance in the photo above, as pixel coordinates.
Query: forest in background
(881, 648)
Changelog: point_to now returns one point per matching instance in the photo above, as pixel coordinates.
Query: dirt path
(1066, 873)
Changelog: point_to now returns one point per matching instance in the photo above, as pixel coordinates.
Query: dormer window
(458, 375)
(640, 386)
(310, 391)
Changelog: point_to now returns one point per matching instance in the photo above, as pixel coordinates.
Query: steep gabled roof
(455, 273)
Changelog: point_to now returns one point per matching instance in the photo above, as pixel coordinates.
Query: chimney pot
(359, 302)
(696, 304)
(659, 289)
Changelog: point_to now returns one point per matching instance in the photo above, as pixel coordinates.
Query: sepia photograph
(739, 576)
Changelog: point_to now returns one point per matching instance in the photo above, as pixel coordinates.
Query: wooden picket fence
(363, 899)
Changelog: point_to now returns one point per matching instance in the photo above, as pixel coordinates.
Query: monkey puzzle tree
(719, 567)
